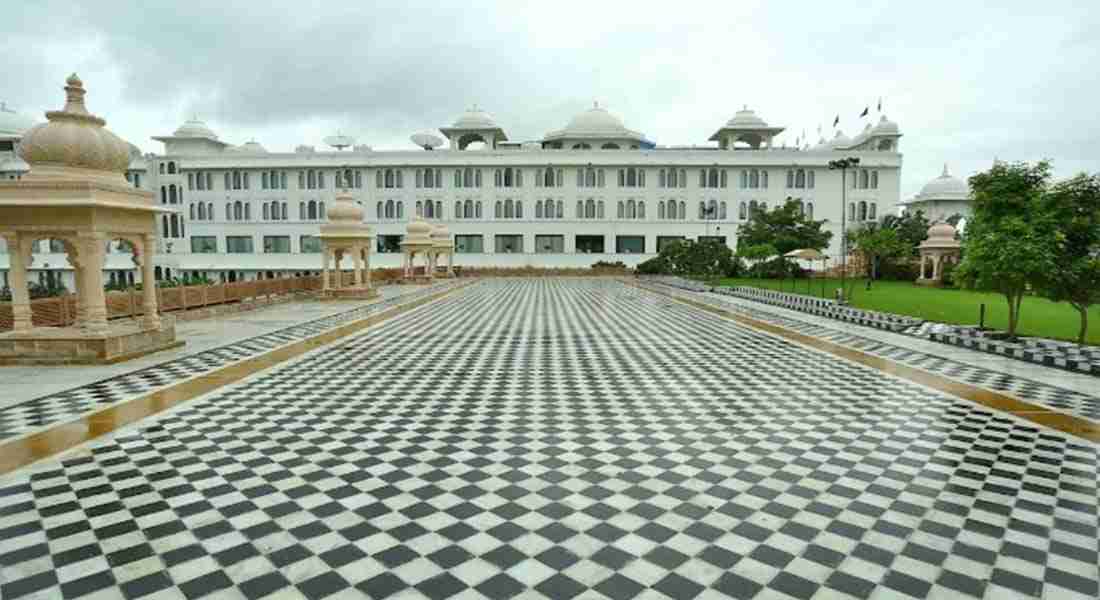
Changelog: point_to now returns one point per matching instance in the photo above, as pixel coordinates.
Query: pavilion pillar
(19, 249)
(73, 254)
(324, 266)
(337, 257)
(451, 263)
(150, 310)
(91, 264)
(366, 266)
(357, 264)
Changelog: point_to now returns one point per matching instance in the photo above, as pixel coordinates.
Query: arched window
(509, 177)
(378, 210)
(683, 205)
(439, 209)
(753, 209)
(496, 178)
(171, 168)
(590, 209)
(722, 211)
(661, 206)
(800, 179)
(661, 180)
(163, 195)
(754, 179)
(744, 179)
(389, 209)
(429, 209)
(561, 210)
(389, 178)
(712, 179)
(477, 210)
(419, 178)
(810, 210)
(458, 178)
(874, 210)
(263, 180)
(590, 178)
(192, 213)
(311, 210)
(477, 178)
(173, 198)
(538, 209)
(801, 207)
(599, 178)
(498, 210)
(810, 179)
(228, 211)
(580, 209)
(162, 173)
(641, 209)
(400, 209)
(712, 209)
(265, 213)
(468, 177)
(632, 177)
(723, 178)
(548, 177)
(852, 211)
(672, 178)
(874, 180)
(742, 211)
(620, 213)
(599, 210)
(468, 209)
(702, 209)
(519, 209)
(509, 209)
(238, 211)
(247, 211)
(458, 209)
(419, 208)
(202, 211)
(284, 212)
(359, 179)
(862, 211)
(864, 180)
(631, 209)
(236, 180)
(764, 179)
(790, 178)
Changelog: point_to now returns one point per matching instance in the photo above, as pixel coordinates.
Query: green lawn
(1038, 316)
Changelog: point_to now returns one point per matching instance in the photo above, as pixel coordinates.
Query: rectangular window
(204, 244)
(276, 244)
(589, 244)
(630, 244)
(238, 244)
(388, 244)
(509, 244)
(549, 244)
(309, 244)
(666, 240)
(469, 244)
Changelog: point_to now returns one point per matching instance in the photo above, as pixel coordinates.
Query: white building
(593, 190)
(942, 198)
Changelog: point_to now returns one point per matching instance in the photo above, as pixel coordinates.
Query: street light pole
(843, 164)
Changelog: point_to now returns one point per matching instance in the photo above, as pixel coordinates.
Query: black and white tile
(1062, 399)
(561, 439)
(26, 417)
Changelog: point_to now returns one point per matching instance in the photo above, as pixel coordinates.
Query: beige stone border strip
(23, 451)
(1038, 414)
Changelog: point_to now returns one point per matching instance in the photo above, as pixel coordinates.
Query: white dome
(886, 127)
(475, 118)
(195, 128)
(746, 119)
(945, 186)
(839, 141)
(13, 123)
(596, 121)
(249, 147)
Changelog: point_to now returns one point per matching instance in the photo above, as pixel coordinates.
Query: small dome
(746, 119)
(475, 118)
(249, 147)
(886, 127)
(195, 128)
(13, 123)
(941, 231)
(945, 186)
(345, 211)
(73, 137)
(839, 141)
(596, 121)
(441, 233)
(418, 229)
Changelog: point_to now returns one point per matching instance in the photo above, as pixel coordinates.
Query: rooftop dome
(839, 140)
(475, 118)
(73, 137)
(886, 127)
(945, 186)
(13, 123)
(249, 147)
(595, 120)
(194, 128)
(746, 119)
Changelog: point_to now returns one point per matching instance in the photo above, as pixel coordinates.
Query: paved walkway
(561, 439)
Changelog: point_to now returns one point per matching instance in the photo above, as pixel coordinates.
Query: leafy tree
(785, 227)
(877, 244)
(756, 254)
(1010, 241)
(705, 259)
(912, 228)
(1074, 207)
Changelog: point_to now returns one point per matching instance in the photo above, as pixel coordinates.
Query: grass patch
(1038, 316)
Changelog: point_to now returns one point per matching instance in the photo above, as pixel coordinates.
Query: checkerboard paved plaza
(561, 439)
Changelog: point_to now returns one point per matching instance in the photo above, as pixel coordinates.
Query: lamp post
(843, 164)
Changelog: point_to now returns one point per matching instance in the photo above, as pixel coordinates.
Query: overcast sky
(966, 82)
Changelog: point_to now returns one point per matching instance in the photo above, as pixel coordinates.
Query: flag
(836, 121)
(865, 111)
(880, 103)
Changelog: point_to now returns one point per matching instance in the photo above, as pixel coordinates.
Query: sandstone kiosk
(417, 240)
(345, 235)
(940, 248)
(75, 192)
(442, 245)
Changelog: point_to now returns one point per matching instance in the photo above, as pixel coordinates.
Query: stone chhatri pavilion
(940, 248)
(76, 193)
(442, 245)
(346, 235)
(418, 240)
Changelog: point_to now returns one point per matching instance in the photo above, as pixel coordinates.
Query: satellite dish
(340, 141)
(427, 141)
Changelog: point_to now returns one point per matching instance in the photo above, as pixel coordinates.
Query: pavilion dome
(73, 137)
(596, 121)
(194, 128)
(13, 123)
(886, 127)
(746, 119)
(941, 235)
(945, 186)
(475, 118)
(418, 230)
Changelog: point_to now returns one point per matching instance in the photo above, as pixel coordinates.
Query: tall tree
(1074, 207)
(877, 244)
(1010, 241)
(912, 228)
(784, 227)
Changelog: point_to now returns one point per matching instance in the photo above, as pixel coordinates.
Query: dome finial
(945, 171)
(74, 96)
(595, 104)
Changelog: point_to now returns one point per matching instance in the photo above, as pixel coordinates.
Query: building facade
(592, 191)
